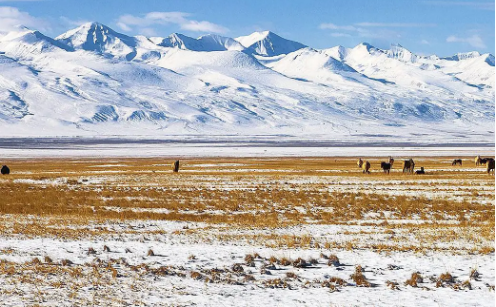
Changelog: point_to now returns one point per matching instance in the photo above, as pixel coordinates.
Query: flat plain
(245, 231)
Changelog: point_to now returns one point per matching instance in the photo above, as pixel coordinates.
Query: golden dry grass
(43, 197)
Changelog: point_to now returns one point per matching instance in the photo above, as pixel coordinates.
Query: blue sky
(424, 27)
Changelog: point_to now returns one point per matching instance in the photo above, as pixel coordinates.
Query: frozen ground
(245, 232)
(148, 287)
(226, 147)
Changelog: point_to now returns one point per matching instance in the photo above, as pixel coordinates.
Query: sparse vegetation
(270, 203)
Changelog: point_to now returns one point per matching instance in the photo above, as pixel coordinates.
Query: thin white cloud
(474, 40)
(11, 18)
(365, 29)
(395, 25)
(424, 42)
(129, 22)
(332, 26)
(72, 22)
(339, 34)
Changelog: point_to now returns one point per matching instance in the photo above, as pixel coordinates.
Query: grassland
(270, 212)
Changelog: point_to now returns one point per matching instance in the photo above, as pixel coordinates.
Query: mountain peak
(463, 56)
(267, 43)
(209, 42)
(95, 36)
(401, 53)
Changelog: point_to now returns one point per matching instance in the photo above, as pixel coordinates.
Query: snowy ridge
(95, 81)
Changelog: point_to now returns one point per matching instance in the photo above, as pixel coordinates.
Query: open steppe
(245, 231)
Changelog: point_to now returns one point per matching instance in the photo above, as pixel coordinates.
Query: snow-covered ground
(33, 148)
(431, 225)
(175, 252)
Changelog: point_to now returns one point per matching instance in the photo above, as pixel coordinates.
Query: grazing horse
(176, 166)
(477, 160)
(490, 166)
(456, 161)
(391, 161)
(386, 167)
(420, 171)
(408, 166)
(5, 170)
(366, 167)
(485, 160)
(359, 163)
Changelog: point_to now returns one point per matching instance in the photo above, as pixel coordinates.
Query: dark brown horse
(408, 166)
(366, 167)
(457, 162)
(386, 167)
(490, 166)
(176, 166)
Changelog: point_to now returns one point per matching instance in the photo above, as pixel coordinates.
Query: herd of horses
(409, 165)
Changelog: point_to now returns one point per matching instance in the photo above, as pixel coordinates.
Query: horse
(175, 166)
(408, 166)
(456, 161)
(5, 170)
(359, 163)
(483, 161)
(386, 167)
(477, 160)
(391, 161)
(490, 166)
(420, 171)
(366, 167)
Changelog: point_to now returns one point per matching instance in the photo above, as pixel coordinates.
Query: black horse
(5, 170)
(386, 167)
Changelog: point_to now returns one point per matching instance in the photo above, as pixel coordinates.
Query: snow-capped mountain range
(94, 81)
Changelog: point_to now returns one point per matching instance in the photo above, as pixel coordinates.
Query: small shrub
(150, 253)
(300, 263)
(474, 274)
(91, 251)
(333, 260)
(249, 278)
(48, 259)
(35, 261)
(275, 283)
(414, 280)
(196, 275)
(106, 249)
(359, 278)
(237, 268)
(65, 262)
(467, 285)
(447, 278)
(392, 285)
(249, 258)
(291, 275)
(192, 257)
(338, 281)
(284, 261)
